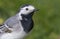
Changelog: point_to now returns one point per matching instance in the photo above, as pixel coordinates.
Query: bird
(19, 25)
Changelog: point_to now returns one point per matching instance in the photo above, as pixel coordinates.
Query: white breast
(13, 35)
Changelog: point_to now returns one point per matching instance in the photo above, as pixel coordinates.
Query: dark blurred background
(46, 21)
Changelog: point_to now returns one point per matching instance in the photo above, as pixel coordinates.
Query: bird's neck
(27, 22)
(23, 17)
(28, 17)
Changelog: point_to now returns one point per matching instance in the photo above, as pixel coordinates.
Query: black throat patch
(27, 22)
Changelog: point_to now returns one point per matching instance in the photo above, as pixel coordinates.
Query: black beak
(36, 10)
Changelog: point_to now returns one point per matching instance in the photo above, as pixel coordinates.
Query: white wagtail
(18, 26)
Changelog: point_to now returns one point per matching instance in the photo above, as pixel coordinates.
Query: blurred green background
(46, 21)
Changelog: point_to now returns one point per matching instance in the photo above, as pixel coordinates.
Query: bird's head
(27, 9)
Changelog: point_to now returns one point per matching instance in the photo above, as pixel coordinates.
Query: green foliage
(47, 20)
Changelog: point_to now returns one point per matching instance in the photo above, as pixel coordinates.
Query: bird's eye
(27, 9)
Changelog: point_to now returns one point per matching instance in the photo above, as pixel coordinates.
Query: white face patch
(27, 9)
